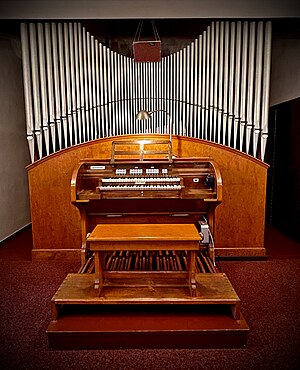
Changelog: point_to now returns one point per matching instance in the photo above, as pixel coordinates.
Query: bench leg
(98, 271)
(192, 272)
(55, 308)
(236, 310)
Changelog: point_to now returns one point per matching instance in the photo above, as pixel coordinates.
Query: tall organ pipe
(43, 85)
(35, 88)
(250, 86)
(244, 83)
(257, 96)
(266, 87)
(27, 90)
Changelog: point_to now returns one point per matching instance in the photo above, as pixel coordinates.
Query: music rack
(141, 154)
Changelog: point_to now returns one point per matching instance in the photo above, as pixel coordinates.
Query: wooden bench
(144, 237)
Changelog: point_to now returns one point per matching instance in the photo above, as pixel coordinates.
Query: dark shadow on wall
(283, 155)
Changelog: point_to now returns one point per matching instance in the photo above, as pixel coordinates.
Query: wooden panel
(240, 219)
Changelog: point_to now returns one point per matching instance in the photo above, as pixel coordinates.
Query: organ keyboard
(185, 178)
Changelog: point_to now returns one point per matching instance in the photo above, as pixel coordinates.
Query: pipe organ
(149, 219)
(76, 89)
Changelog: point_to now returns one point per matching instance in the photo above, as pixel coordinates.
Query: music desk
(144, 237)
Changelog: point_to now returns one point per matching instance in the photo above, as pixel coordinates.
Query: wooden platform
(155, 326)
(212, 289)
(120, 318)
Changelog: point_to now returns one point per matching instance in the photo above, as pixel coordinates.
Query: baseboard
(243, 253)
(72, 255)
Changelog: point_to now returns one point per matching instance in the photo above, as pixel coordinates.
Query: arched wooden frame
(239, 220)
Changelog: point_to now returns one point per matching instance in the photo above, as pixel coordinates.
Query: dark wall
(283, 155)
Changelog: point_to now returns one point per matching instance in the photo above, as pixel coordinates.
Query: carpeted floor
(269, 290)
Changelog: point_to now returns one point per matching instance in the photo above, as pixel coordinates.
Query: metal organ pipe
(188, 88)
(203, 107)
(56, 75)
(195, 95)
(220, 87)
(200, 61)
(266, 88)
(211, 82)
(73, 116)
(77, 89)
(231, 82)
(226, 82)
(44, 95)
(236, 114)
(258, 76)
(244, 83)
(89, 85)
(216, 77)
(250, 86)
(50, 84)
(27, 90)
(81, 79)
(35, 87)
(97, 88)
(208, 88)
(93, 88)
(68, 129)
(85, 86)
(62, 86)
(77, 85)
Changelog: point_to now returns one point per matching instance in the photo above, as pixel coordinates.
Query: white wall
(14, 155)
(285, 74)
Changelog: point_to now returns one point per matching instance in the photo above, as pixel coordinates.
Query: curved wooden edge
(229, 149)
(73, 181)
(219, 182)
(146, 136)
(71, 148)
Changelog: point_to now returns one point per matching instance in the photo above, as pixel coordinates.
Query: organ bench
(144, 237)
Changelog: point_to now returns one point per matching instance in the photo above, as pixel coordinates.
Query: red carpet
(269, 291)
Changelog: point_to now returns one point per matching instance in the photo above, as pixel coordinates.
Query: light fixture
(143, 115)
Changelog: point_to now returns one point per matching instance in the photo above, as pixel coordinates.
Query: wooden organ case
(147, 232)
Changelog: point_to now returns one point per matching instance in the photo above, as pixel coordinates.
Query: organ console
(160, 190)
(176, 193)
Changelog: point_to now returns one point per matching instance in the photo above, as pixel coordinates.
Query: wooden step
(212, 289)
(143, 326)
(146, 312)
